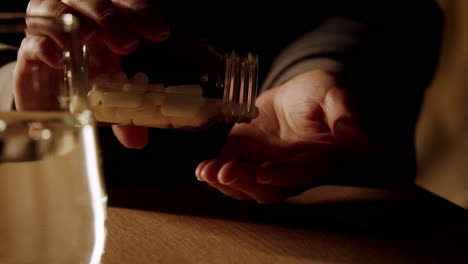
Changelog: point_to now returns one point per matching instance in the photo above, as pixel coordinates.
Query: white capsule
(107, 87)
(160, 122)
(134, 88)
(108, 112)
(147, 108)
(110, 115)
(155, 98)
(104, 83)
(104, 114)
(180, 105)
(210, 109)
(140, 78)
(94, 97)
(119, 99)
(156, 88)
(126, 113)
(151, 119)
(137, 84)
(122, 121)
(142, 114)
(119, 78)
(185, 89)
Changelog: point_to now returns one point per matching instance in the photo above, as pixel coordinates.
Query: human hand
(305, 128)
(119, 23)
(111, 27)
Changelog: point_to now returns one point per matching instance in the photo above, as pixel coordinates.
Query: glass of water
(52, 201)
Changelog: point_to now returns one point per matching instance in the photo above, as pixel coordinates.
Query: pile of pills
(124, 101)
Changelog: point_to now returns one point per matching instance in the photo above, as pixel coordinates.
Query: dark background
(13, 6)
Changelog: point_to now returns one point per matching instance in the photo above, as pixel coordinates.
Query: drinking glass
(52, 201)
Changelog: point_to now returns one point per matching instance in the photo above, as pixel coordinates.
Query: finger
(36, 86)
(337, 105)
(39, 62)
(54, 8)
(145, 18)
(131, 136)
(242, 177)
(102, 61)
(211, 168)
(302, 171)
(208, 170)
(116, 29)
(37, 48)
(200, 168)
(341, 118)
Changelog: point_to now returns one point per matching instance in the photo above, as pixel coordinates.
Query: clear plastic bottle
(183, 83)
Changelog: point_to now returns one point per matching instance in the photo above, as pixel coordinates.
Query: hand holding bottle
(114, 26)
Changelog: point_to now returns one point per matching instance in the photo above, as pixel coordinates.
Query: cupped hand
(305, 128)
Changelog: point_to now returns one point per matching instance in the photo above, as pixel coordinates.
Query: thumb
(341, 118)
(349, 134)
(131, 136)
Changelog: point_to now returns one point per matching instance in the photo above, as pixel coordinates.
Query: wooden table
(330, 224)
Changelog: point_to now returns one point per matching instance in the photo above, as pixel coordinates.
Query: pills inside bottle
(187, 85)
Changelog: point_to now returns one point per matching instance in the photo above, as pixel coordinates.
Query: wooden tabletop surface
(330, 224)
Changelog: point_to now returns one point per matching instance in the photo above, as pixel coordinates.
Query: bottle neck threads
(240, 88)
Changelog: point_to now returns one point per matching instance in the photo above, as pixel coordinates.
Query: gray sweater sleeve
(321, 48)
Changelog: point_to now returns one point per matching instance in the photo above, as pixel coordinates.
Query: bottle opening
(241, 85)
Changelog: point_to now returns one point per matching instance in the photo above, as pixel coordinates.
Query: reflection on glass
(52, 202)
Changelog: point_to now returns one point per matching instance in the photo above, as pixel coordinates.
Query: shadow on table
(336, 207)
(412, 224)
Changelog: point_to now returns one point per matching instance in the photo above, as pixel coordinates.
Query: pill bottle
(182, 83)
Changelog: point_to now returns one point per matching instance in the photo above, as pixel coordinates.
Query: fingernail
(197, 172)
(131, 44)
(207, 178)
(264, 179)
(227, 180)
(209, 173)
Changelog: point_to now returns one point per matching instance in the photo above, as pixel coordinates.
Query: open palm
(298, 141)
